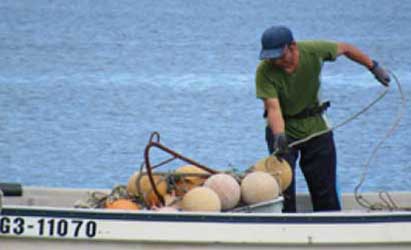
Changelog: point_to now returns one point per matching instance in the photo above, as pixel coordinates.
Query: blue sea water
(84, 83)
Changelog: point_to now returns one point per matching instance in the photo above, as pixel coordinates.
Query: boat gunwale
(208, 217)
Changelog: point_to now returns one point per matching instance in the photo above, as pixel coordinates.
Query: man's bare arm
(354, 54)
(360, 57)
(274, 115)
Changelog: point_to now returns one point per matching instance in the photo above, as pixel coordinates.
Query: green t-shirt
(300, 90)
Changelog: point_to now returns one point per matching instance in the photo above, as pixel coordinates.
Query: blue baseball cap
(273, 42)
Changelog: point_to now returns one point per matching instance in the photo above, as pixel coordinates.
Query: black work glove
(280, 146)
(380, 73)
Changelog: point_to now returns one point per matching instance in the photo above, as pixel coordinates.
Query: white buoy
(201, 199)
(259, 187)
(227, 189)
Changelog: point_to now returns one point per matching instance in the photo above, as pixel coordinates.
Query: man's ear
(292, 45)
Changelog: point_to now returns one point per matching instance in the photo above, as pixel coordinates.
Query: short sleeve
(326, 50)
(264, 87)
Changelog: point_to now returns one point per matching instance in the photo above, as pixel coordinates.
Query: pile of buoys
(191, 188)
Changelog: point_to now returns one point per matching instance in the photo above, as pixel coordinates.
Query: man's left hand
(380, 73)
(280, 146)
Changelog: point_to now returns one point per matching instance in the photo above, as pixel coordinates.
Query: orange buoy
(189, 177)
(125, 204)
(141, 186)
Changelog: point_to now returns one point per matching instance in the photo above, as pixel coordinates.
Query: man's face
(287, 61)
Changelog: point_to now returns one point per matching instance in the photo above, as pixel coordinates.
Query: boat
(46, 218)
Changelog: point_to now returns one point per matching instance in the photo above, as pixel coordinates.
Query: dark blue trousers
(318, 163)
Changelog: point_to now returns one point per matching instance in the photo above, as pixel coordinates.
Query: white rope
(358, 197)
(349, 119)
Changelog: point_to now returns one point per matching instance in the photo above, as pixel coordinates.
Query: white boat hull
(37, 227)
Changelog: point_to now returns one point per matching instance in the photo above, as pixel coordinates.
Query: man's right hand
(280, 146)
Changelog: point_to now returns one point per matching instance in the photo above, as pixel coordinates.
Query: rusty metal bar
(149, 168)
(163, 162)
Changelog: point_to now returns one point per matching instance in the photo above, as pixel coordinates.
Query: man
(288, 82)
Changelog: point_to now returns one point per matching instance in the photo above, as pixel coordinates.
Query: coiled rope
(388, 202)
